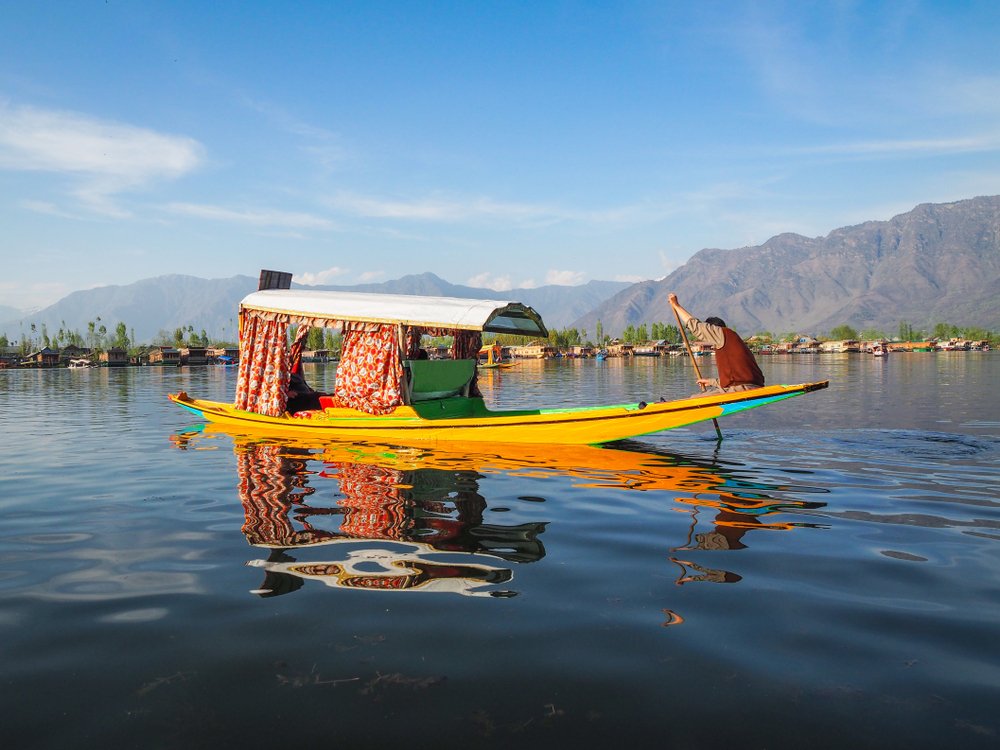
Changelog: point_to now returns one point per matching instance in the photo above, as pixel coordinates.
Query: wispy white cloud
(669, 262)
(487, 280)
(30, 297)
(631, 278)
(565, 278)
(48, 208)
(255, 218)
(323, 145)
(457, 210)
(964, 144)
(369, 276)
(500, 282)
(442, 209)
(106, 158)
(317, 278)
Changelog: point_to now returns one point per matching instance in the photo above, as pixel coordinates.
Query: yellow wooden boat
(490, 358)
(384, 392)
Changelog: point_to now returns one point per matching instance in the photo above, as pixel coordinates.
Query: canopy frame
(326, 309)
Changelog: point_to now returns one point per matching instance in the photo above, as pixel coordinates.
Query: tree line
(906, 332)
(97, 337)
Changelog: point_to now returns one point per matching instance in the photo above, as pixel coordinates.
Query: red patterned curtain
(412, 347)
(262, 381)
(369, 373)
(295, 353)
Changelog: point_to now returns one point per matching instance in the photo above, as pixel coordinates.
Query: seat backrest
(438, 378)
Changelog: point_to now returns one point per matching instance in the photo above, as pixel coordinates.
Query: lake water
(827, 576)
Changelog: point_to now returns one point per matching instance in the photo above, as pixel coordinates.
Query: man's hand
(672, 299)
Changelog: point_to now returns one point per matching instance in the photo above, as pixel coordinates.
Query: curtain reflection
(411, 518)
(432, 518)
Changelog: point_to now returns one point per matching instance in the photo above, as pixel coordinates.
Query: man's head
(713, 321)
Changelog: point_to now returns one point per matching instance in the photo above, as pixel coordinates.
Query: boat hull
(467, 419)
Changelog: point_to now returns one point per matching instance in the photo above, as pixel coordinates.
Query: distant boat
(880, 350)
(494, 358)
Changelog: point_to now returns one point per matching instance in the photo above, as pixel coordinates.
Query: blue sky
(499, 144)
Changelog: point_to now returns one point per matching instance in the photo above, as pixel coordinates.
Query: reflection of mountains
(412, 517)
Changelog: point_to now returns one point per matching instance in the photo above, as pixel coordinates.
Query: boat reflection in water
(411, 518)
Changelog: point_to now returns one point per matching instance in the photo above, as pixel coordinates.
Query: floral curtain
(295, 353)
(369, 373)
(262, 381)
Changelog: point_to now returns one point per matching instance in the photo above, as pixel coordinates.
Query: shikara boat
(491, 358)
(384, 391)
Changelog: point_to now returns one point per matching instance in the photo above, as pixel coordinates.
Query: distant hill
(165, 303)
(10, 313)
(558, 305)
(939, 263)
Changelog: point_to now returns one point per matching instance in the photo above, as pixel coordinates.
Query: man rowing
(738, 370)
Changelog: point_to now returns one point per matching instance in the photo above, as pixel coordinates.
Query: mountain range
(165, 303)
(939, 263)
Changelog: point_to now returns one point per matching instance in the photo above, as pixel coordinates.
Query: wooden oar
(694, 361)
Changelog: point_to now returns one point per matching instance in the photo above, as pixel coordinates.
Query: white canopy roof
(495, 316)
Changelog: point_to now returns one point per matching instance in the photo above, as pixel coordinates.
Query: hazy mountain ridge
(10, 313)
(165, 303)
(936, 263)
(558, 305)
(939, 263)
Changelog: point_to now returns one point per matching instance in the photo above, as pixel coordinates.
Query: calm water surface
(827, 576)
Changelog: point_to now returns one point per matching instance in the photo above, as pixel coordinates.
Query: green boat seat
(438, 378)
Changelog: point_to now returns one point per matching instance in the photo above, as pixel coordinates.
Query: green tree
(843, 333)
(600, 333)
(945, 331)
(314, 339)
(333, 340)
(629, 335)
(120, 340)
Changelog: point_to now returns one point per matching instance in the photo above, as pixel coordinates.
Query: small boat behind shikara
(384, 391)
(493, 358)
